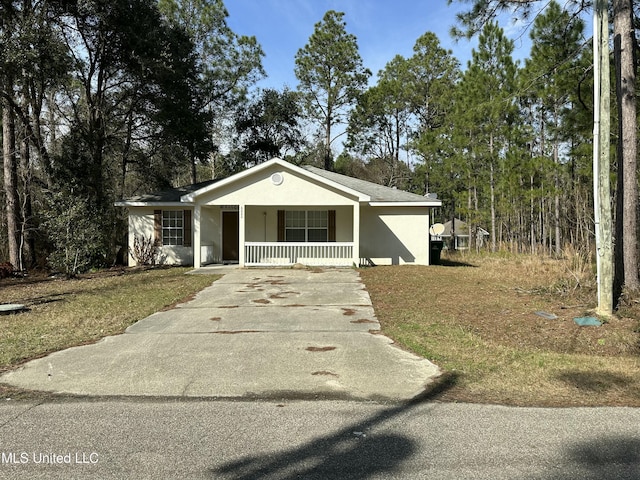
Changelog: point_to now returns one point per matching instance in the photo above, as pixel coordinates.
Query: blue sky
(383, 28)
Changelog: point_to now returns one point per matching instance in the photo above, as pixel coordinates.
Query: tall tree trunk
(328, 161)
(492, 188)
(556, 199)
(626, 271)
(532, 218)
(27, 245)
(10, 181)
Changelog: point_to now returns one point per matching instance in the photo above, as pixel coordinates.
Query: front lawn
(475, 317)
(64, 313)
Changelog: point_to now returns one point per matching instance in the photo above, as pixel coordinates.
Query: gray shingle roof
(171, 194)
(378, 193)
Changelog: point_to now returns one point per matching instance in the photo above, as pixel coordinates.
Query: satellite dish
(436, 229)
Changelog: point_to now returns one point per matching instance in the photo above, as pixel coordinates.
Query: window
(172, 227)
(306, 226)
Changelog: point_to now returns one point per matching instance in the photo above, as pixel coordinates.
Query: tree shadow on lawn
(346, 453)
(445, 262)
(597, 382)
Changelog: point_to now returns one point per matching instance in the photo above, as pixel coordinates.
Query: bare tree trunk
(27, 244)
(626, 258)
(328, 161)
(557, 200)
(493, 207)
(10, 181)
(532, 216)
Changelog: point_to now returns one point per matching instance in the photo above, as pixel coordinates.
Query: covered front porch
(276, 236)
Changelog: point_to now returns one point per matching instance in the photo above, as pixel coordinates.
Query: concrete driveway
(252, 334)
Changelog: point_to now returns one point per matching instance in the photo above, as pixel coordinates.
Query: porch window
(306, 226)
(172, 227)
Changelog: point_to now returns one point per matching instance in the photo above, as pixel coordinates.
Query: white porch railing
(335, 254)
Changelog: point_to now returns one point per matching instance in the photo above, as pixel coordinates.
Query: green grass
(475, 319)
(64, 313)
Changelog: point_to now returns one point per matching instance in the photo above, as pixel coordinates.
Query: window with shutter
(173, 227)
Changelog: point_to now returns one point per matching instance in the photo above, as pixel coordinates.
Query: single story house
(461, 232)
(277, 214)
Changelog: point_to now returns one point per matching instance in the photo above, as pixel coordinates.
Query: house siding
(394, 235)
(142, 223)
(258, 189)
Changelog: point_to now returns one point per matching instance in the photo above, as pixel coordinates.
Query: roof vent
(277, 179)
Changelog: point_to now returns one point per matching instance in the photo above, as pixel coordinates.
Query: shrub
(145, 250)
(75, 229)
(6, 270)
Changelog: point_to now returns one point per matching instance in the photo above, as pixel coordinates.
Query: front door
(230, 237)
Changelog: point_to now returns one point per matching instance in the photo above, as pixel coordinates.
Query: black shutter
(331, 234)
(186, 241)
(281, 225)
(157, 226)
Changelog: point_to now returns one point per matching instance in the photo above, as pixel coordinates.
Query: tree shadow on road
(611, 458)
(348, 453)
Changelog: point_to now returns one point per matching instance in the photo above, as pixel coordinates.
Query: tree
(331, 75)
(227, 63)
(32, 61)
(483, 10)
(434, 74)
(379, 125)
(269, 127)
(10, 182)
(548, 80)
(488, 100)
(624, 45)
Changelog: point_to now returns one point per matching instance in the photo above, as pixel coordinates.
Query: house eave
(137, 203)
(405, 204)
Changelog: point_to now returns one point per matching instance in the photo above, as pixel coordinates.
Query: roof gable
(354, 188)
(285, 166)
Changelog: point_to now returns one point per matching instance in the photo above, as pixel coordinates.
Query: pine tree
(331, 75)
(486, 104)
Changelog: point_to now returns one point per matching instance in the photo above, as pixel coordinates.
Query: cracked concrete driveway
(251, 334)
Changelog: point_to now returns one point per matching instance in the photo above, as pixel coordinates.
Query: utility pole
(601, 157)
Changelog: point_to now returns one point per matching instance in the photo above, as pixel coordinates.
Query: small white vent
(277, 179)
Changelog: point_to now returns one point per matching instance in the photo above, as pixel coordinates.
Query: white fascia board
(190, 197)
(285, 165)
(338, 186)
(405, 204)
(135, 203)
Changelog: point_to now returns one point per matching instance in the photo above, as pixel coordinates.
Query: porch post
(241, 227)
(356, 234)
(196, 236)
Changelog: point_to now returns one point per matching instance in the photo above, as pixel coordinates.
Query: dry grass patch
(475, 318)
(64, 313)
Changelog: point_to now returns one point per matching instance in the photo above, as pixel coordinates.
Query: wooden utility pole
(601, 157)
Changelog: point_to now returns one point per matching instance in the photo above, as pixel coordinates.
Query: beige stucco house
(278, 214)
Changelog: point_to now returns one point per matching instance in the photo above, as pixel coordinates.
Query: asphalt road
(208, 439)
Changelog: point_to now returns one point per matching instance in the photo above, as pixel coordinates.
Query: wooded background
(102, 100)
